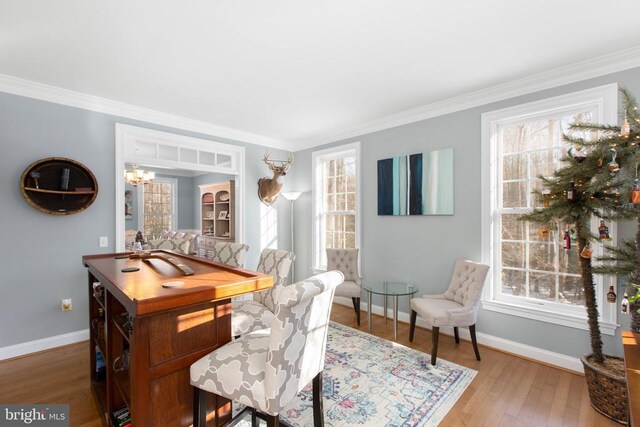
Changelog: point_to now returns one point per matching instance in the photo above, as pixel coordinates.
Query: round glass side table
(389, 289)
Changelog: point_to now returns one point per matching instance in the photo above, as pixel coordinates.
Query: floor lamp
(292, 196)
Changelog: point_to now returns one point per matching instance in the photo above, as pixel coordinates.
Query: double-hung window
(159, 206)
(336, 206)
(533, 274)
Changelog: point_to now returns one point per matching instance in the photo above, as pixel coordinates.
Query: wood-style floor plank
(507, 391)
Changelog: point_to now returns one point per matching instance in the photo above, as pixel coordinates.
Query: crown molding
(582, 70)
(43, 92)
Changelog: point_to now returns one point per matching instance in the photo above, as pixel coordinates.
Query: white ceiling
(299, 71)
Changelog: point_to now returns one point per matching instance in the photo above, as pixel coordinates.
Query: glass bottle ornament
(577, 154)
(567, 240)
(546, 198)
(586, 252)
(600, 163)
(611, 295)
(603, 231)
(543, 232)
(625, 128)
(624, 304)
(571, 191)
(613, 165)
(634, 196)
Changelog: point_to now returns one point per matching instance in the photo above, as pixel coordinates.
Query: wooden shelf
(100, 392)
(41, 190)
(46, 183)
(120, 321)
(123, 384)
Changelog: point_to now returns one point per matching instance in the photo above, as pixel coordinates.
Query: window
(159, 206)
(532, 274)
(336, 200)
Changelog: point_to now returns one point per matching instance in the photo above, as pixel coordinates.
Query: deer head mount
(269, 188)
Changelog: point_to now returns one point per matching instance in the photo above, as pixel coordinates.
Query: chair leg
(199, 407)
(356, 307)
(318, 411)
(435, 333)
(472, 330)
(412, 324)
(272, 420)
(455, 334)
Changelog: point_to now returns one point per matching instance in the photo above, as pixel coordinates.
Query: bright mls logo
(36, 415)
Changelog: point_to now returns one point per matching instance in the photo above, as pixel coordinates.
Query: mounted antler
(269, 188)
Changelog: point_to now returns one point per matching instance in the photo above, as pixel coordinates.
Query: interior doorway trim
(155, 148)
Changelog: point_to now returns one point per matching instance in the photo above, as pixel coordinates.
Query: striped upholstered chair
(248, 316)
(266, 369)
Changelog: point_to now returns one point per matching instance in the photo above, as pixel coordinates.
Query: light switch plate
(104, 241)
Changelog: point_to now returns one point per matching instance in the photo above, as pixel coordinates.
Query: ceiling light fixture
(137, 176)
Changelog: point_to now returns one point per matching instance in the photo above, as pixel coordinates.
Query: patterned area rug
(369, 381)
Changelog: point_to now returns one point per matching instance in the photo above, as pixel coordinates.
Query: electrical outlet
(104, 241)
(66, 305)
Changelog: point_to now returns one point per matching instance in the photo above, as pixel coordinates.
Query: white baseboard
(21, 349)
(529, 352)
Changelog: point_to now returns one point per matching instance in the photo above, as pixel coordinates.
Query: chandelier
(138, 176)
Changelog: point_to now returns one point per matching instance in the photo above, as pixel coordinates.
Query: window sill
(548, 316)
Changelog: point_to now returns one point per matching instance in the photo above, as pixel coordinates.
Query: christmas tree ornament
(624, 304)
(600, 163)
(625, 128)
(611, 295)
(586, 252)
(634, 196)
(571, 192)
(613, 165)
(603, 231)
(543, 232)
(567, 240)
(546, 198)
(577, 154)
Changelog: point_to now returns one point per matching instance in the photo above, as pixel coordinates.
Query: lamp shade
(292, 195)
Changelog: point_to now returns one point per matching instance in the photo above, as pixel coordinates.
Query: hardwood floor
(507, 391)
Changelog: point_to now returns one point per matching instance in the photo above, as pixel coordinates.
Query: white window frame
(174, 201)
(605, 101)
(317, 185)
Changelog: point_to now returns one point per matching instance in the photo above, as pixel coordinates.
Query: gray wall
(42, 263)
(422, 250)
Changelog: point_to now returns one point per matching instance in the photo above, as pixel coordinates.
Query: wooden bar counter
(169, 329)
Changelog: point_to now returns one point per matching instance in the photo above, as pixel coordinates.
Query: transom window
(335, 201)
(533, 274)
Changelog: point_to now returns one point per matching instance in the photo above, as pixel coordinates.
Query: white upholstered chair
(248, 316)
(346, 261)
(457, 306)
(228, 253)
(266, 369)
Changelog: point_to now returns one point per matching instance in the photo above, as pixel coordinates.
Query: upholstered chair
(265, 369)
(248, 316)
(457, 306)
(225, 253)
(346, 261)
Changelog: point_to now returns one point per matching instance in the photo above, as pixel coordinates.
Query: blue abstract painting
(417, 184)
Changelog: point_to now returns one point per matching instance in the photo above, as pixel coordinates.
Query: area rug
(369, 381)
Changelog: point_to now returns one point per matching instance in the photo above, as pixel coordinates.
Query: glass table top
(391, 288)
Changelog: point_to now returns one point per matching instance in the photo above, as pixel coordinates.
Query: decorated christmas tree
(598, 178)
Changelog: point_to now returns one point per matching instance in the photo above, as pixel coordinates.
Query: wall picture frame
(222, 215)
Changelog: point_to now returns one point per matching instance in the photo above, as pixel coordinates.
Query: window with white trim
(336, 195)
(159, 206)
(533, 275)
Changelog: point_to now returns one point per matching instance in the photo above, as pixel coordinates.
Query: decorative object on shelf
(269, 188)
(207, 198)
(224, 197)
(223, 215)
(624, 304)
(603, 231)
(138, 176)
(58, 186)
(611, 295)
(292, 196)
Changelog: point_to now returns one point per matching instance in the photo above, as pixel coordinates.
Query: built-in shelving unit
(218, 210)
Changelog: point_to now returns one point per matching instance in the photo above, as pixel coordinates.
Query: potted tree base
(607, 387)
